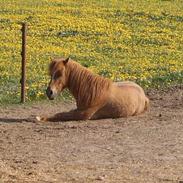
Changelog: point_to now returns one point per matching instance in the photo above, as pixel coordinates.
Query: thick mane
(87, 87)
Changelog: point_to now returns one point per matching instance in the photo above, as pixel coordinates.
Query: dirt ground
(143, 149)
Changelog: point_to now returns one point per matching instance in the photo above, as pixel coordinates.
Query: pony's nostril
(51, 92)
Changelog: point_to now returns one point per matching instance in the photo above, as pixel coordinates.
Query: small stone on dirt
(101, 177)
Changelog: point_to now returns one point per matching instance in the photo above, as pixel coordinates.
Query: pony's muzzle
(49, 93)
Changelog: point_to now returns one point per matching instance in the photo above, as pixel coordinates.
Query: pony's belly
(110, 110)
(125, 99)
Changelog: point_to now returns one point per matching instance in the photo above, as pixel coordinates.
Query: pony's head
(57, 71)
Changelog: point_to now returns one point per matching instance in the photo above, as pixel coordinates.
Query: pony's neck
(84, 85)
(76, 78)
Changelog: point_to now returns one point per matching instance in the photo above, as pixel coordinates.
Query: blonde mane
(86, 86)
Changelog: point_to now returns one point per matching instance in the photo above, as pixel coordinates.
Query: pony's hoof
(40, 119)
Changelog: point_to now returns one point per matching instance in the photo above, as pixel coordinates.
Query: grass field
(138, 40)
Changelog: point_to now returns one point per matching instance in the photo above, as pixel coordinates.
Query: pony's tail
(146, 104)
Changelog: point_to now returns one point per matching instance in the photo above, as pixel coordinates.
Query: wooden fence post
(23, 54)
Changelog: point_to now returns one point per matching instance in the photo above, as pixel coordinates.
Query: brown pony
(96, 97)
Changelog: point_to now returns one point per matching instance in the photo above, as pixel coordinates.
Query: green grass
(119, 39)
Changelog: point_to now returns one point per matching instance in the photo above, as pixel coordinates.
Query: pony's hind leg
(106, 111)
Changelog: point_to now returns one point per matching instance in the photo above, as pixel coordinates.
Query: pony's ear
(66, 60)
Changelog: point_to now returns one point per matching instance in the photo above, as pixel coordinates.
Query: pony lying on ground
(96, 97)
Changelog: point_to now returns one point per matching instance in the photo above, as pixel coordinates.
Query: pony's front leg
(68, 116)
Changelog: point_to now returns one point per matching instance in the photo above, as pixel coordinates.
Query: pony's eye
(57, 75)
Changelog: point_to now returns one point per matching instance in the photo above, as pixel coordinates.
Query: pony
(96, 97)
